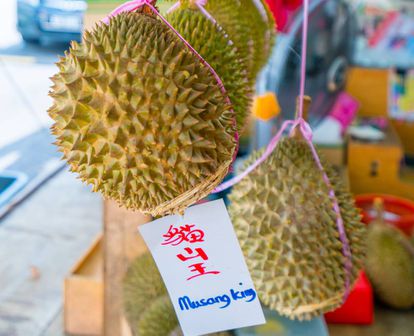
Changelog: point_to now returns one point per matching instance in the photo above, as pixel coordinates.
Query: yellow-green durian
(142, 284)
(284, 219)
(138, 116)
(160, 320)
(147, 305)
(262, 26)
(244, 30)
(215, 46)
(390, 265)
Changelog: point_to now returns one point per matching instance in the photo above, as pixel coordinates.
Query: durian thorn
(305, 114)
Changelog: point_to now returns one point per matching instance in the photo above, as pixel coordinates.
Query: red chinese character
(201, 270)
(200, 253)
(176, 236)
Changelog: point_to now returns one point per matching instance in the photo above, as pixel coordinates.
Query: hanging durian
(138, 116)
(283, 216)
(215, 46)
(252, 36)
(147, 306)
(390, 263)
(262, 26)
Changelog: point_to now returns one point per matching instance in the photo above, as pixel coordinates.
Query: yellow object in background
(266, 106)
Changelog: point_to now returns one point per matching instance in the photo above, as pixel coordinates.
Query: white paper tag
(200, 260)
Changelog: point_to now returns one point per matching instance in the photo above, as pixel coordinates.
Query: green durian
(215, 46)
(140, 118)
(262, 26)
(246, 29)
(147, 305)
(283, 217)
(142, 284)
(160, 320)
(390, 265)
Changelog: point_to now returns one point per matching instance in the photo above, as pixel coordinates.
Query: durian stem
(145, 9)
(306, 106)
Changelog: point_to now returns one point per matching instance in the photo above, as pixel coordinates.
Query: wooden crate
(122, 243)
(94, 287)
(83, 294)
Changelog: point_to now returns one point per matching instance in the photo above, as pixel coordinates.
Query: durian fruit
(138, 116)
(283, 217)
(147, 305)
(142, 284)
(215, 46)
(159, 319)
(263, 29)
(251, 35)
(390, 264)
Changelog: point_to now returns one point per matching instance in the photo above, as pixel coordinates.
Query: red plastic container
(397, 211)
(358, 308)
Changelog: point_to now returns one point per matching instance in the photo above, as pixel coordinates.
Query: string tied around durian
(134, 5)
(300, 127)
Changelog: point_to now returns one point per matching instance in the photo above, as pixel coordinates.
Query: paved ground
(52, 228)
(48, 232)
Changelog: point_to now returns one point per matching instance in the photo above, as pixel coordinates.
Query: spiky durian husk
(142, 284)
(214, 45)
(235, 21)
(147, 306)
(287, 229)
(355, 229)
(160, 320)
(390, 265)
(262, 29)
(139, 117)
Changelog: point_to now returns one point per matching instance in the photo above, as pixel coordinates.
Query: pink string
(306, 131)
(303, 56)
(135, 4)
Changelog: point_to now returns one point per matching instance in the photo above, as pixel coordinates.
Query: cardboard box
(84, 293)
